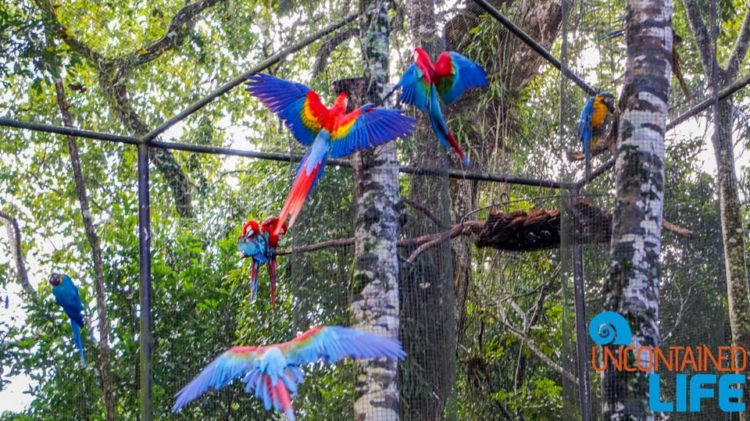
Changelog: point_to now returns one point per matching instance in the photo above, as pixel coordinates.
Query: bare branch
(85, 50)
(14, 238)
(532, 345)
(329, 46)
(676, 229)
(425, 211)
(700, 32)
(173, 37)
(740, 46)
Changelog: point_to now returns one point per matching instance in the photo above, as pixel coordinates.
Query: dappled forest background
(488, 333)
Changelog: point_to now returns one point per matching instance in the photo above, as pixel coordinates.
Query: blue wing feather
(413, 88)
(584, 128)
(373, 127)
(286, 99)
(466, 75)
(225, 368)
(334, 343)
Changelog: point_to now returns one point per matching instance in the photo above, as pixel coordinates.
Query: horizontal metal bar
(70, 131)
(241, 78)
(523, 36)
(216, 150)
(701, 106)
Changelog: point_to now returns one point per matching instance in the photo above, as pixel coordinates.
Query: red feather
(296, 198)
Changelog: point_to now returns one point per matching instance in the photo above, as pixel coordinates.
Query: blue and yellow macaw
(66, 295)
(594, 118)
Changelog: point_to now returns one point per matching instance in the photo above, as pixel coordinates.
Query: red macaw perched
(326, 131)
(448, 78)
(259, 242)
(273, 372)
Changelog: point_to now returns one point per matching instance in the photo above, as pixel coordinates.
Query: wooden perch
(605, 144)
(537, 229)
(540, 229)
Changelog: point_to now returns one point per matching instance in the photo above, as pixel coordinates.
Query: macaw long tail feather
(78, 341)
(301, 188)
(441, 129)
(272, 276)
(586, 151)
(254, 279)
(285, 400)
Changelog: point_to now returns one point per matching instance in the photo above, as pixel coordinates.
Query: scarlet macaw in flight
(326, 131)
(447, 78)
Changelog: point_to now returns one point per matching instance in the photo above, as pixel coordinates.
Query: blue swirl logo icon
(609, 327)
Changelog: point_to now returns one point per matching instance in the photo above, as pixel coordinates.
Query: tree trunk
(96, 255)
(732, 235)
(375, 303)
(16, 251)
(632, 281)
(733, 239)
(426, 287)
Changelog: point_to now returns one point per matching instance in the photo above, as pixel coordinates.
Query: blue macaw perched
(258, 242)
(273, 373)
(66, 295)
(594, 118)
(448, 78)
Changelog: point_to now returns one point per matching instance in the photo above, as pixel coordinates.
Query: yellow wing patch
(343, 128)
(308, 118)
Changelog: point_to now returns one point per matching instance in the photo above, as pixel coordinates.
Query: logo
(609, 327)
(691, 367)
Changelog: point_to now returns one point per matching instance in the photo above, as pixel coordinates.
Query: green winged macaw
(258, 242)
(273, 372)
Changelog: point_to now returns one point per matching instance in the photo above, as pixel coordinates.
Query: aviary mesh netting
(488, 275)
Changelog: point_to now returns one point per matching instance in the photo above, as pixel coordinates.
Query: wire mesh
(490, 332)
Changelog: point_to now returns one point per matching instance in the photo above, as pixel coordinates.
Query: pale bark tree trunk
(733, 233)
(375, 304)
(96, 254)
(16, 251)
(632, 281)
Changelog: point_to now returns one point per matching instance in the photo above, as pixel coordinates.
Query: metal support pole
(144, 241)
(584, 383)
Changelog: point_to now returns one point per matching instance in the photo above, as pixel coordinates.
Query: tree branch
(67, 37)
(96, 253)
(329, 46)
(113, 71)
(702, 37)
(532, 345)
(740, 46)
(174, 36)
(425, 242)
(14, 238)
